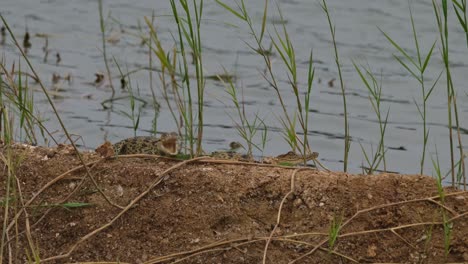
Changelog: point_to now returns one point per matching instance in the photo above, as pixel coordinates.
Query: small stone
(51, 153)
(72, 185)
(105, 150)
(321, 204)
(119, 190)
(297, 202)
(422, 238)
(371, 250)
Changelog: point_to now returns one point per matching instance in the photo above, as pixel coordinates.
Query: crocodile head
(168, 144)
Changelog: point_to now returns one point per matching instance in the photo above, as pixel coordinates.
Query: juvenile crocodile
(166, 145)
(288, 158)
(230, 155)
(291, 158)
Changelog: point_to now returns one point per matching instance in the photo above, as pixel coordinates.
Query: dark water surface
(74, 32)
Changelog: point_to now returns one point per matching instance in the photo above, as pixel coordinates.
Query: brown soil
(208, 212)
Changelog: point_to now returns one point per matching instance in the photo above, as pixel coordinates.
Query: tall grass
(447, 225)
(188, 17)
(460, 10)
(13, 199)
(102, 26)
(135, 110)
(59, 119)
(7, 134)
(283, 45)
(347, 139)
(156, 105)
(18, 98)
(183, 99)
(189, 30)
(245, 128)
(417, 68)
(441, 15)
(375, 97)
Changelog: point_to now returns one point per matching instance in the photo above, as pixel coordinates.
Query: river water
(74, 33)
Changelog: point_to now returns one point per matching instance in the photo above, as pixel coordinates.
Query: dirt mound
(143, 209)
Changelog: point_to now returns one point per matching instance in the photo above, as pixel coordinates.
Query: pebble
(72, 185)
(297, 202)
(119, 190)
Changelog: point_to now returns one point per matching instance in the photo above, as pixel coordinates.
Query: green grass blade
(264, 19)
(400, 49)
(428, 57)
(228, 8)
(408, 69)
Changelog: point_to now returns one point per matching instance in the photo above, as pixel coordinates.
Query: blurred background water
(74, 33)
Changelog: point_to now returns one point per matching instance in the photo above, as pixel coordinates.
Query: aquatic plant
(283, 45)
(417, 67)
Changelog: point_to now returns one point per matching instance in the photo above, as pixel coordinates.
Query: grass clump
(334, 231)
(375, 97)
(446, 224)
(188, 16)
(246, 129)
(282, 44)
(417, 68)
(441, 15)
(347, 140)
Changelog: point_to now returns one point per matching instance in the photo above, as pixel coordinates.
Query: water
(74, 32)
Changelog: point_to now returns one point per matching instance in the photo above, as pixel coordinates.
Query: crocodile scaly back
(166, 145)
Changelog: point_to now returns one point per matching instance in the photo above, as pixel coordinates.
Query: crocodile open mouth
(169, 146)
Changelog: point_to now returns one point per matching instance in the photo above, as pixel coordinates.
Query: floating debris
(114, 37)
(55, 78)
(123, 83)
(222, 77)
(3, 34)
(99, 78)
(46, 44)
(26, 42)
(59, 59)
(68, 78)
(88, 96)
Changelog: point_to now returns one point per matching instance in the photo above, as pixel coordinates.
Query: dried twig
(278, 218)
